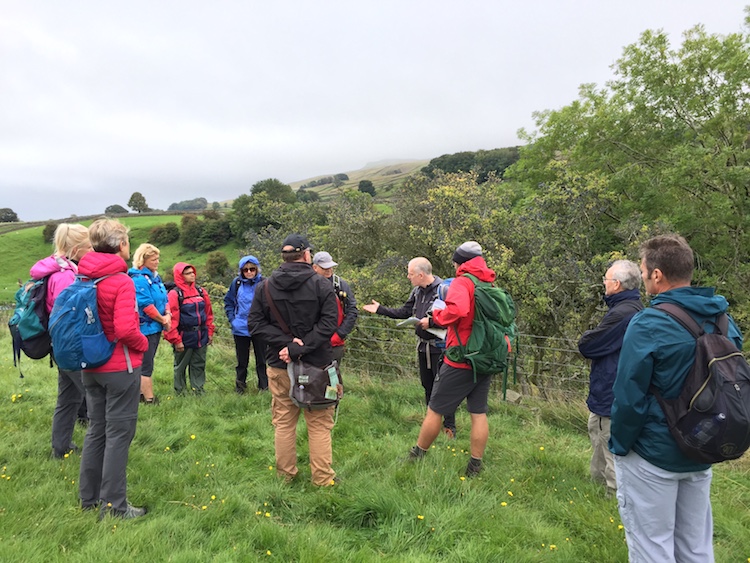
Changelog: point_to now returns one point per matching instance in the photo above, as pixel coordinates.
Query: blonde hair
(107, 234)
(143, 253)
(69, 237)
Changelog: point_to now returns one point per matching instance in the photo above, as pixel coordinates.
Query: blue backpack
(28, 325)
(78, 339)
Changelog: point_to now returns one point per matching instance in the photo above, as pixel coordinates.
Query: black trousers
(242, 346)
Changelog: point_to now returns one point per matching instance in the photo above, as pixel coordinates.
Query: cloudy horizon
(179, 100)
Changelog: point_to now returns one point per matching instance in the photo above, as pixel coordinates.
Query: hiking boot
(128, 514)
(416, 453)
(474, 467)
(240, 387)
(450, 432)
(72, 448)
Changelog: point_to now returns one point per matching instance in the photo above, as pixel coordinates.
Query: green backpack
(493, 329)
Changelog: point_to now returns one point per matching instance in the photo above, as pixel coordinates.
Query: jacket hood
(476, 267)
(291, 275)
(179, 279)
(244, 260)
(97, 264)
(614, 299)
(50, 265)
(701, 301)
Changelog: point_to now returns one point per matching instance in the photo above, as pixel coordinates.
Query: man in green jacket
(663, 496)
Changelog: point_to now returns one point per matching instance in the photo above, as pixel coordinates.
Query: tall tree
(275, 189)
(137, 202)
(668, 137)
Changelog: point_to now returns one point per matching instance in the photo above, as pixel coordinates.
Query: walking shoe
(240, 387)
(450, 432)
(72, 448)
(474, 467)
(128, 514)
(416, 453)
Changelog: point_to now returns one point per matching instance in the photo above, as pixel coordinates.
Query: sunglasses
(249, 269)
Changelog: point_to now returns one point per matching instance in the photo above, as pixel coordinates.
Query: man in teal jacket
(663, 496)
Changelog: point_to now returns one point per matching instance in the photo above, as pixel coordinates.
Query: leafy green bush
(164, 234)
(49, 232)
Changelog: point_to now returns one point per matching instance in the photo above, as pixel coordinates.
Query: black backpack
(710, 418)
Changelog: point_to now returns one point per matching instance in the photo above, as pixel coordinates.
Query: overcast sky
(184, 99)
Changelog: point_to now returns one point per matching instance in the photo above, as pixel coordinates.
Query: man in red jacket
(455, 381)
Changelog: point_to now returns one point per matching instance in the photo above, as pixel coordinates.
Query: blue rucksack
(78, 339)
(28, 325)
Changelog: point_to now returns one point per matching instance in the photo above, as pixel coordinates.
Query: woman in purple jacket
(71, 243)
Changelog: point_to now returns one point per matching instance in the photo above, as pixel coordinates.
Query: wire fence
(550, 369)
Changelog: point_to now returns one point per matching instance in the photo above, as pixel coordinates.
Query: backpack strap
(275, 310)
(721, 322)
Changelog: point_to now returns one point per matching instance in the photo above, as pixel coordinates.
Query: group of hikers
(303, 313)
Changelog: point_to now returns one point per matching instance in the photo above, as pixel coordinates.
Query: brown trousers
(284, 416)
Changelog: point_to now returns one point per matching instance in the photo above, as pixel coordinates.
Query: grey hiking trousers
(113, 412)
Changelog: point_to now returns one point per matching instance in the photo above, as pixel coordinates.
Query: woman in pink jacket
(112, 390)
(71, 243)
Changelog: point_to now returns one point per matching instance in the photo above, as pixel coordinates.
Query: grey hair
(107, 234)
(627, 273)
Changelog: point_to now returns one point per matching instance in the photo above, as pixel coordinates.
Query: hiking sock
(474, 467)
(416, 453)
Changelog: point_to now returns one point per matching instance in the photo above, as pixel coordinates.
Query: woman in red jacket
(112, 390)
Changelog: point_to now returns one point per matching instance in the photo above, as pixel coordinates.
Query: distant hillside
(383, 175)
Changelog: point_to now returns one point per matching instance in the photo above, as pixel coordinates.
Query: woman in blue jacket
(237, 303)
(153, 312)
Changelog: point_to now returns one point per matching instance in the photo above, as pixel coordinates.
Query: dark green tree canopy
(307, 196)
(275, 189)
(367, 187)
(484, 162)
(189, 205)
(115, 210)
(7, 215)
(137, 202)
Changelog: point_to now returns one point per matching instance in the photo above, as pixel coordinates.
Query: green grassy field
(205, 469)
(20, 249)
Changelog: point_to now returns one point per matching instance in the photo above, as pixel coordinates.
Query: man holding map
(424, 292)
